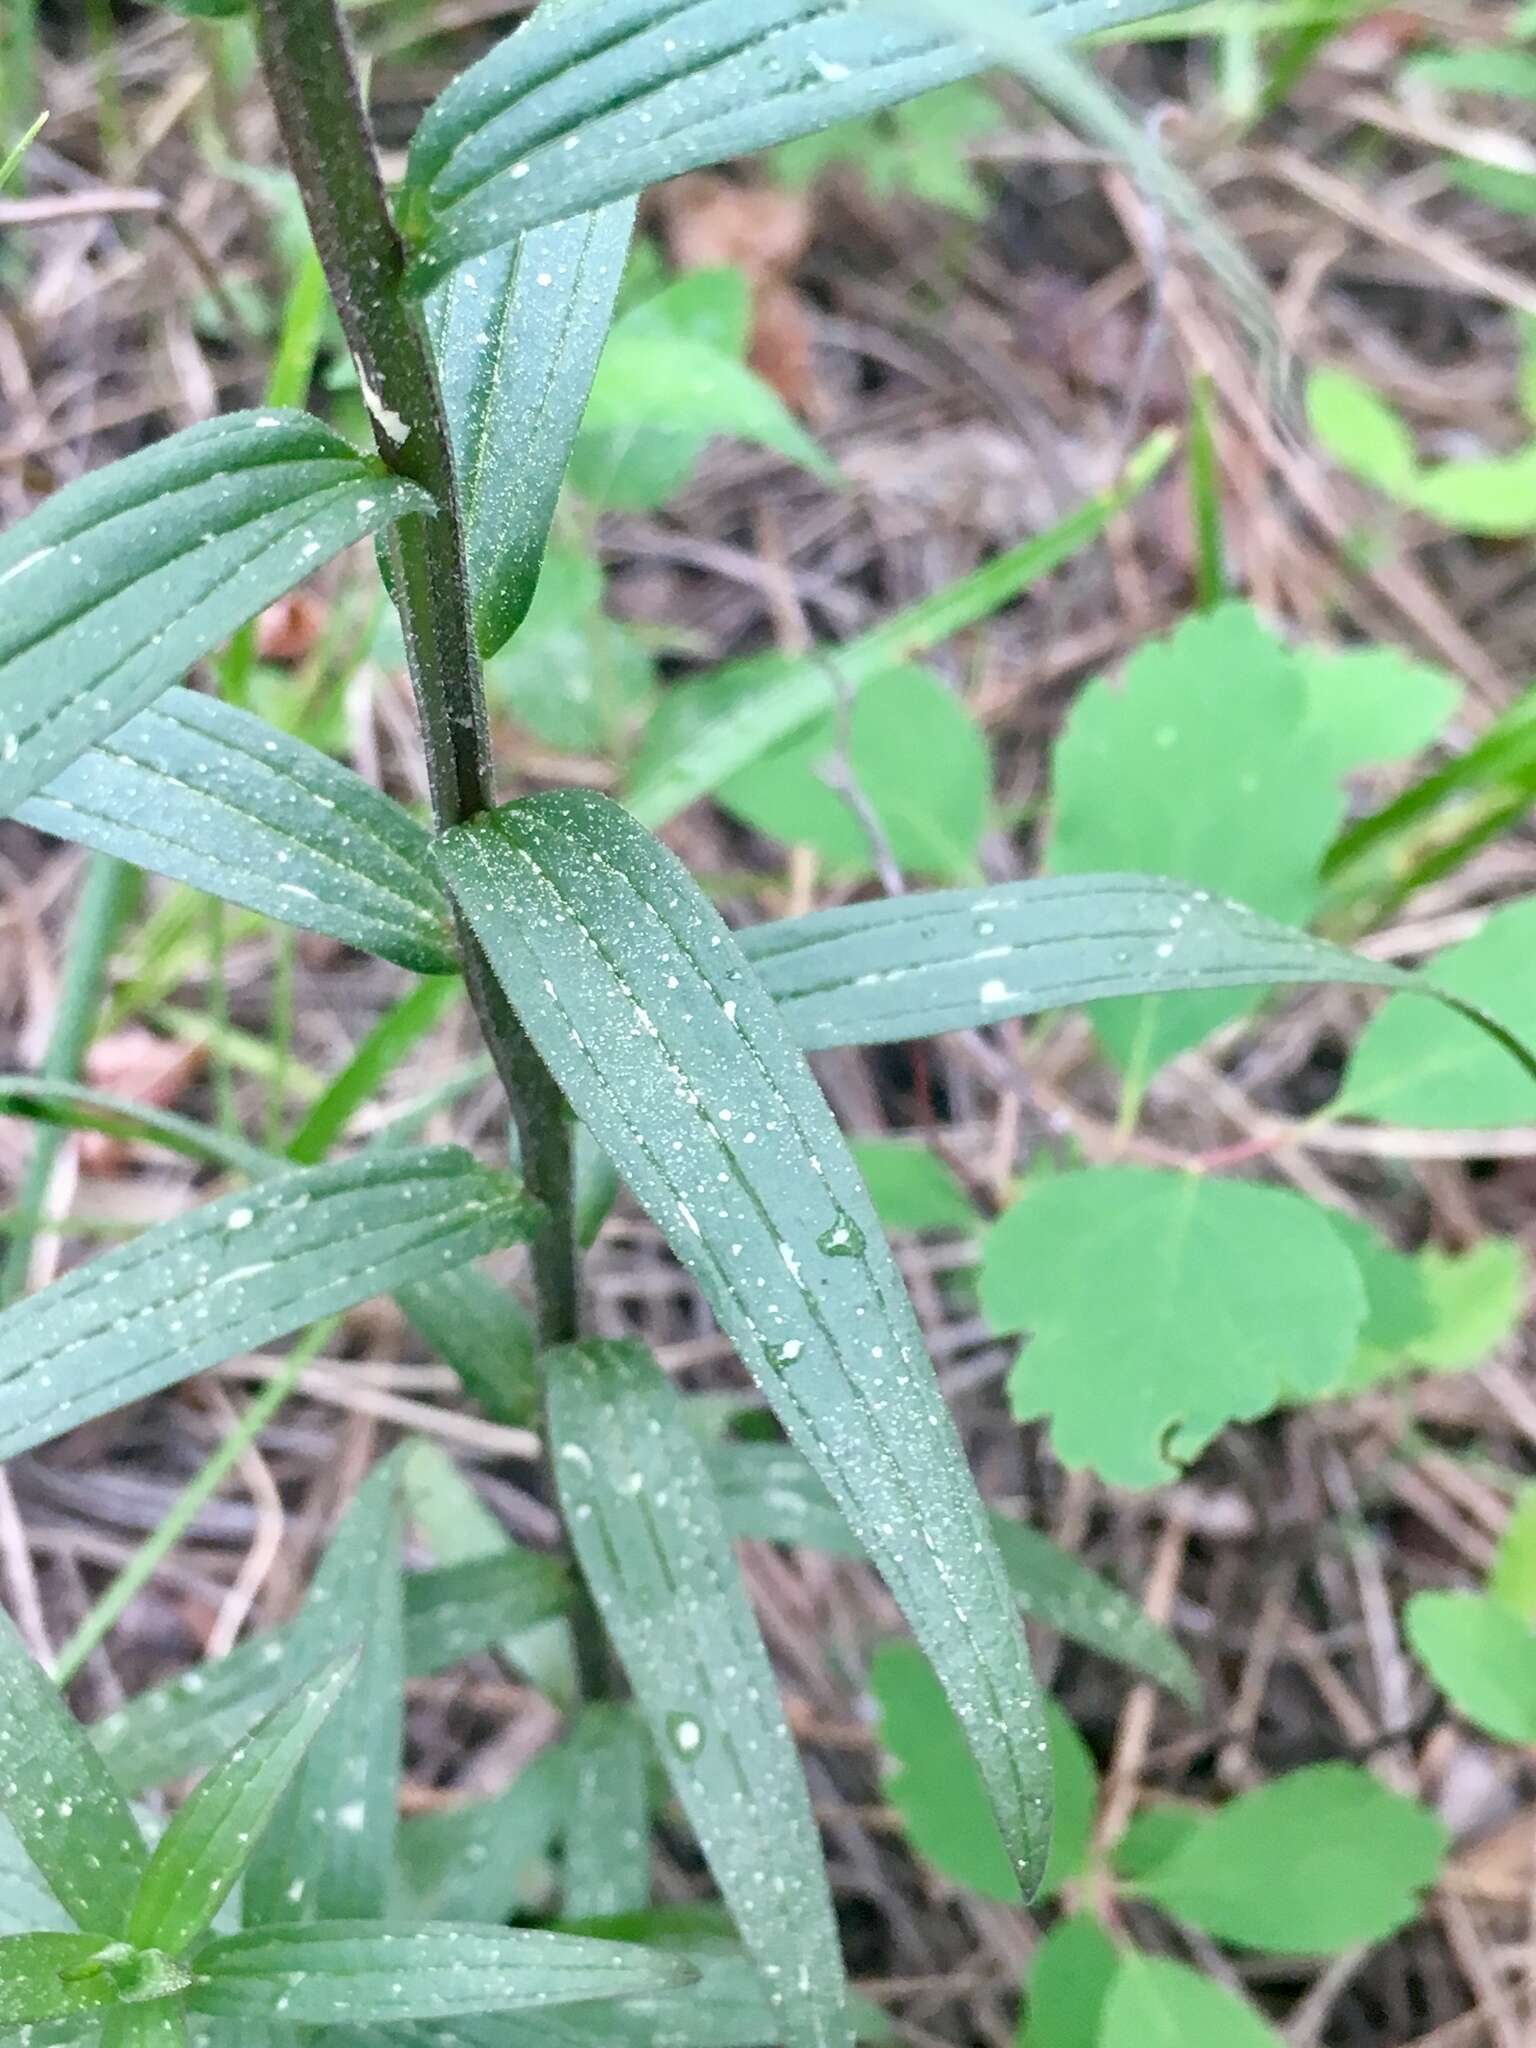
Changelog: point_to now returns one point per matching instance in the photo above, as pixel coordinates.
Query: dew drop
(844, 1240)
(685, 1735)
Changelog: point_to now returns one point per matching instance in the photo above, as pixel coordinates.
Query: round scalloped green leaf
(1069, 1982)
(1312, 1863)
(1201, 761)
(1482, 1655)
(1155, 2003)
(1162, 1306)
(1417, 1064)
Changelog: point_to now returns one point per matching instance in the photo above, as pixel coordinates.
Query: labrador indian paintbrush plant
(284, 1893)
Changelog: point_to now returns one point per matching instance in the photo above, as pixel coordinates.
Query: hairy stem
(324, 127)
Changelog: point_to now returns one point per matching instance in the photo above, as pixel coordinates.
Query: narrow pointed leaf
(484, 1333)
(329, 1851)
(59, 1798)
(384, 1047)
(40, 1977)
(175, 1728)
(198, 1860)
(587, 104)
(606, 1869)
(955, 959)
(240, 1272)
(117, 584)
(26, 1906)
(462, 1531)
(727, 2007)
(655, 1026)
(160, 2025)
(356, 1972)
(223, 801)
(656, 1554)
(75, 1107)
(476, 1859)
(517, 334)
(769, 1492)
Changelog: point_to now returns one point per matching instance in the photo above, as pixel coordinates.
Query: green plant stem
(320, 113)
(314, 89)
(1205, 496)
(111, 887)
(152, 1552)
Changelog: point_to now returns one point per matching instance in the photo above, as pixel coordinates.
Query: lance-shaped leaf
(353, 1972)
(460, 1529)
(223, 801)
(606, 1869)
(727, 2007)
(481, 1330)
(517, 334)
(174, 1728)
(330, 1849)
(657, 1556)
(654, 1024)
(587, 104)
(768, 1491)
(953, 959)
(240, 1272)
(118, 583)
(59, 1798)
(50, 1976)
(477, 1859)
(198, 1860)
(26, 1907)
(160, 2025)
